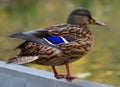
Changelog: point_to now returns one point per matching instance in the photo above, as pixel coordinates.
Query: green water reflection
(101, 64)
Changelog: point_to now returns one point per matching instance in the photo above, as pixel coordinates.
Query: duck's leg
(68, 75)
(58, 76)
(65, 76)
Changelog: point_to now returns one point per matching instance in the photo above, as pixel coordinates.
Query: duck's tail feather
(26, 37)
(22, 59)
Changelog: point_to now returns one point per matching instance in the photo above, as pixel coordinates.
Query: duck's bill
(95, 22)
(99, 23)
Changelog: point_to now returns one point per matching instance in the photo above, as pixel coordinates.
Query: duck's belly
(68, 53)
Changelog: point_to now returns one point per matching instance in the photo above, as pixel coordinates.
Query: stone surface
(12, 75)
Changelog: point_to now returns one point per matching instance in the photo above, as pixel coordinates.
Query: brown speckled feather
(65, 52)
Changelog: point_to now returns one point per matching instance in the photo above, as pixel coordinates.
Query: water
(101, 64)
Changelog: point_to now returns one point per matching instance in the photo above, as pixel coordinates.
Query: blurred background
(101, 64)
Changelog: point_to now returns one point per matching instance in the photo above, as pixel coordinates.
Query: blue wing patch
(55, 39)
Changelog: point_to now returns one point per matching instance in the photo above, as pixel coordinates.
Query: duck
(59, 44)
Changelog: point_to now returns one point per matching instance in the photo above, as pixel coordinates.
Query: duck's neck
(79, 25)
(85, 32)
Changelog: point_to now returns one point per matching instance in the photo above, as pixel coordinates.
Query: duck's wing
(33, 36)
(37, 36)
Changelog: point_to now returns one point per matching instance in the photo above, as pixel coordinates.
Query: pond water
(101, 64)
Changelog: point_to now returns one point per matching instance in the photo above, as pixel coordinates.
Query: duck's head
(82, 16)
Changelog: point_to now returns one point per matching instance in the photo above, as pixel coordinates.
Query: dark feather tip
(14, 35)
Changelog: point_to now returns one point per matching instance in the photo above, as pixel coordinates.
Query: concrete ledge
(12, 75)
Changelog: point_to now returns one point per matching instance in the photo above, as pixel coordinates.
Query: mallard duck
(59, 44)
